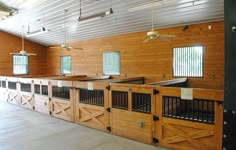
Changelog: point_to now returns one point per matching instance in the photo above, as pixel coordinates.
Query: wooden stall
(41, 95)
(92, 101)
(3, 88)
(132, 107)
(61, 97)
(158, 115)
(26, 96)
(189, 123)
(13, 91)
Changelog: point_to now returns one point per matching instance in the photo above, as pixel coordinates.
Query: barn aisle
(24, 129)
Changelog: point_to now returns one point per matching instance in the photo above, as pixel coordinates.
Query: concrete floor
(22, 129)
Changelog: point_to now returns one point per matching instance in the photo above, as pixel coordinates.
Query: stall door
(3, 91)
(12, 93)
(91, 104)
(131, 112)
(62, 100)
(188, 124)
(41, 96)
(26, 94)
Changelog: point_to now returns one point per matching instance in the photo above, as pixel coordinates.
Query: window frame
(27, 68)
(203, 50)
(61, 64)
(103, 63)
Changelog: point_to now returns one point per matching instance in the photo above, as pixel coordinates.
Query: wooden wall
(153, 59)
(12, 44)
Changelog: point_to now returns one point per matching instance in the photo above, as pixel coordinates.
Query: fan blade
(71, 48)
(15, 54)
(55, 47)
(164, 38)
(167, 35)
(77, 48)
(146, 40)
(31, 54)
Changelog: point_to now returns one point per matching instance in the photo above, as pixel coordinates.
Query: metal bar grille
(24, 87)
(12, 85)
(37, 89)
(188, 61)
(120, 100)
(61, 92)
(141, 102)
(199, 110)
(45, 90)
(20, 64)
(4, 84)
(93, 97)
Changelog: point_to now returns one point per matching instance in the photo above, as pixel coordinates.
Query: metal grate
(93, 97)
(111, 63)
(45, 90)
(141, 102)
(12, 85)
(24, 87)
(20, 64)
(195, 110)
(37, 89)
(61, 92)
(188, 61)
(4, 84)
(120, 100)
(65, 64)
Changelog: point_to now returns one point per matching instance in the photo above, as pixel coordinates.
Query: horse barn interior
(117, 74)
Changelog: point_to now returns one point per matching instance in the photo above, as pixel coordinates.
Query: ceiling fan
(154, 34)
(23, 52)
(65, 46)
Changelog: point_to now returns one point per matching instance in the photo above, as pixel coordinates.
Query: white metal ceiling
(50, 14)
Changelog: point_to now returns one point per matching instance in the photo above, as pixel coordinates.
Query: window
(20, 64)
(188, 61)
(65, 64)
(111, 63)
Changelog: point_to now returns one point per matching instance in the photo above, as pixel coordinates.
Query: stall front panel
(62, 97)
(132, 109)
(90, 104)
(13, 91)
(3, 88)
(26, 95)
(189, 119)
(41, 95)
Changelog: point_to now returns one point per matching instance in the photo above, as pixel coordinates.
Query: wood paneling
(153, 59)
(12, 44)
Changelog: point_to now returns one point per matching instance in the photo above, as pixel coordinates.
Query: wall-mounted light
(185, 27)
(6, 11)
(38, 32)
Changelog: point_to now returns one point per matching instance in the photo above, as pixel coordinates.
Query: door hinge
(50, 112)
(155, 118)
(109, 129)
(155, 140)
(108, 109)
(108, 87)
(50, 98)
(155, 91)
